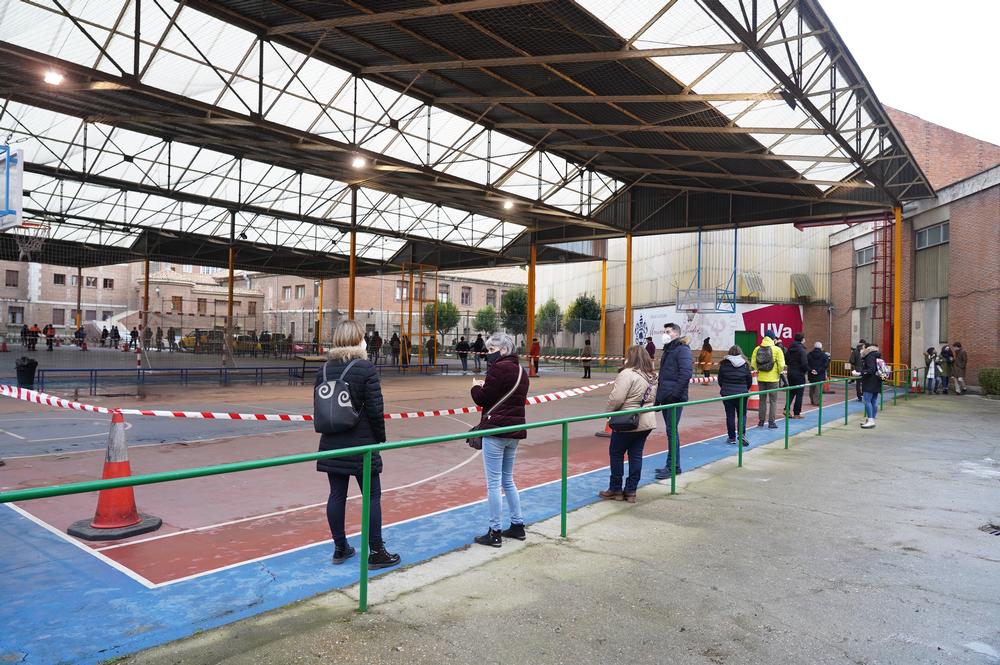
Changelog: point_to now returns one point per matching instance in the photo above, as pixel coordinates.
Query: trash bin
(26, 367)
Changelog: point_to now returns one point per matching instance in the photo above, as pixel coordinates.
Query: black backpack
(333, 410)
(765, 359)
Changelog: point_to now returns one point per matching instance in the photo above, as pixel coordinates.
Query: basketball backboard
(11, 187)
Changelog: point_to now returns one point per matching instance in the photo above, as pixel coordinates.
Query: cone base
(83, 529)
(603, 434)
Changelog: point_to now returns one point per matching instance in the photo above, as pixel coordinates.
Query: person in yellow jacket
(769, 361)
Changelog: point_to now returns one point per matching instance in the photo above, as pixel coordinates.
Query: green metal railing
(368, 450)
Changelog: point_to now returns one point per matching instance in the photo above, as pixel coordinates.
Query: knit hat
(818, 345)
(771, 334)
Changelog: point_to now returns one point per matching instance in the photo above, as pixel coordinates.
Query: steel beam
(613, 99)
(662, 129)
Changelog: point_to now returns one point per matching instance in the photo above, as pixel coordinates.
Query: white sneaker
(868, 424)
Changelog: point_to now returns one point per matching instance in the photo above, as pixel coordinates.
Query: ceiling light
(358, 162)
(508, 204)
(52, 77)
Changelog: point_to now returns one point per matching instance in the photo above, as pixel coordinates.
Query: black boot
(515, 531)
(342, 554)
(492, 538)
(380, 558)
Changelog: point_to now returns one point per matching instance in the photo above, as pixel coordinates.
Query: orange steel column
(897, 287)
(319, 320)
(626, 340)
(145, 301)
(352, 265)
(533, 258)
(604, 304)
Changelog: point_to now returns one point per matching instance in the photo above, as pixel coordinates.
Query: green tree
(447, 317)
(548, 321)
(583, 316)
(486, 320)
(514, 311)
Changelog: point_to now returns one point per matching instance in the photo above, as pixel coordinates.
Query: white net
(30, 239)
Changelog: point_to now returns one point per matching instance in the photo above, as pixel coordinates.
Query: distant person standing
(462, 349)
(947, 363)
(159, 338)
(650, 348)
(171, 339)
(50, 336)
(431, 347)
(147, 337)
(116, 337)
(818, 362)
(854, 364)
(958, 368)
(394, 348)
(705, 357)
(585, 357)
(797, 364)
(932, 371)
(676, 370)
(871, 383)
(479, 352)
(769, 361)
(104, 336)
(24, 335)
(376, 347)
(535, 353)
(735, 379)
(134, 338)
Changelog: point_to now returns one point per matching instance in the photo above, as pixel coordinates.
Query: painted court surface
(239, 544)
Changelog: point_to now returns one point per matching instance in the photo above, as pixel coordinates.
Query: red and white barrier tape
(48, 400)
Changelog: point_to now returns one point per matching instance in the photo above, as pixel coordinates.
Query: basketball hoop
(691, 313)
(30, 238)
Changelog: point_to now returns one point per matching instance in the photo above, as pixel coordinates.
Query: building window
(932, 235)
(943, 321)
(109, 283)
(930, 267)
(90, 282)
(286, 293)
(402, 290)
(59, 279)
(491, 298)
(106, 315)
(419, 289)
(252, 308)
(12, 276)
(15, 315)
(188, 268)
(315, 289)
(444, 292)
(58, 317)
(864, 256)
(74, 280)
(177, 303)
(466, 295)
(300, 291)
(91, 315)
(202, 305)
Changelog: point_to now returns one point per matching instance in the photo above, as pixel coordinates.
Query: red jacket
(500, 378)
(536, 350)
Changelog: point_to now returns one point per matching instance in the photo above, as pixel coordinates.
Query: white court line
(16, 436)
(76, 543)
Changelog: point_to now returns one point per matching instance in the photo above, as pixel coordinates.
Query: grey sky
(936, 60)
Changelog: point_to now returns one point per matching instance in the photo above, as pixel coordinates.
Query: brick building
(950, 255)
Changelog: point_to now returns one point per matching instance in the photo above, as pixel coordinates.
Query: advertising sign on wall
(784, 320)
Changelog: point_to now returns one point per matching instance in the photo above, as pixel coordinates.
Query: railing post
(565, 479)
(739, 427)
(820, 426)
(881, 396)
(674, 450)
(366, 506)
(847, 403)
(787, 418)
(894, 391)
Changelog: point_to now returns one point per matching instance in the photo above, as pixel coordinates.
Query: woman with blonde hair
(348, 361)
(634, 388)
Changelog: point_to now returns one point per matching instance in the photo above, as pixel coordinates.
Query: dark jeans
(631, 443)
(465, 362)
(670, 434)
(857, 386)
(795, 396)
(337, 503)
(535, 360)
(586, 371)
(731, 408)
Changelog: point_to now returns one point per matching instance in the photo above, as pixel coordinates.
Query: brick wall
(842, 298)
(816, 325)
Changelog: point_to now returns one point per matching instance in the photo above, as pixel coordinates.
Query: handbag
(629, 422)
(476, 442)
(333, 410)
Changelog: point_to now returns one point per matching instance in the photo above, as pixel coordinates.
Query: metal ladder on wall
(882, 280)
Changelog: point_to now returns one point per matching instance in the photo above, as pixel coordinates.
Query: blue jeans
(871, 404)
(631, 443)
(498, 461)
(933, 384)
(479, 361)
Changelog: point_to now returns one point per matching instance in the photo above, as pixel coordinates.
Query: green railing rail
(900, 376)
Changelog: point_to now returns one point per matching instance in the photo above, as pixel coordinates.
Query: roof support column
(145, 299)
(529, 338)
(352, 266)
(604, 305)
(319, 320)
(229, 297)
(897, 287)
(626, 339)
(79, 297)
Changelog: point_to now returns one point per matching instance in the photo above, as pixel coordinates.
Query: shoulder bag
(629, 422)
(333, 410)
(476, 442)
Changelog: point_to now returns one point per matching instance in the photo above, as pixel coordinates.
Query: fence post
(820, 426)
(847, 402)
(894, 391)
(565, 478)
(786, 416)
(366, 506)
(739, 436)
(674, 451)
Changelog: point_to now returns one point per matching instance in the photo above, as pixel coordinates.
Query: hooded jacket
(500, 378)
(734, 376)
(772, 375)
(366, 396)
(796, 360)
(870, 381)
(818, 362)
(676, 369)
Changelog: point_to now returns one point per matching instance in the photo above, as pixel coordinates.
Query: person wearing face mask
(502, 396)
(366, 398)
(676, 369)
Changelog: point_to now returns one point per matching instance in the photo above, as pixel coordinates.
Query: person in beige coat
(635, 387)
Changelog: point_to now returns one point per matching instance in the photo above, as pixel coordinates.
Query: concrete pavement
(854, 547)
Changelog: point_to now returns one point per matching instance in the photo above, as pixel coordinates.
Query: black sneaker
(772, 425)
(342, 554)
(380, 558)
(492, 538)
(731, 442)
(515, 531)
(664, 474)
(760, 423)
(744, 441)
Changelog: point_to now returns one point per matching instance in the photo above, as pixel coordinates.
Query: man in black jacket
(818, 362)
(797, 365)
(676, 369)
(462, 348)
(855, 362)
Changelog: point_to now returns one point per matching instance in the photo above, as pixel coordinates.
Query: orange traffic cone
(116, 516)
(606, 433)
(753, 402)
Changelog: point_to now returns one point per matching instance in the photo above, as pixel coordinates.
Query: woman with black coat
(735, 379)
(871, 384)
(366, 398)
